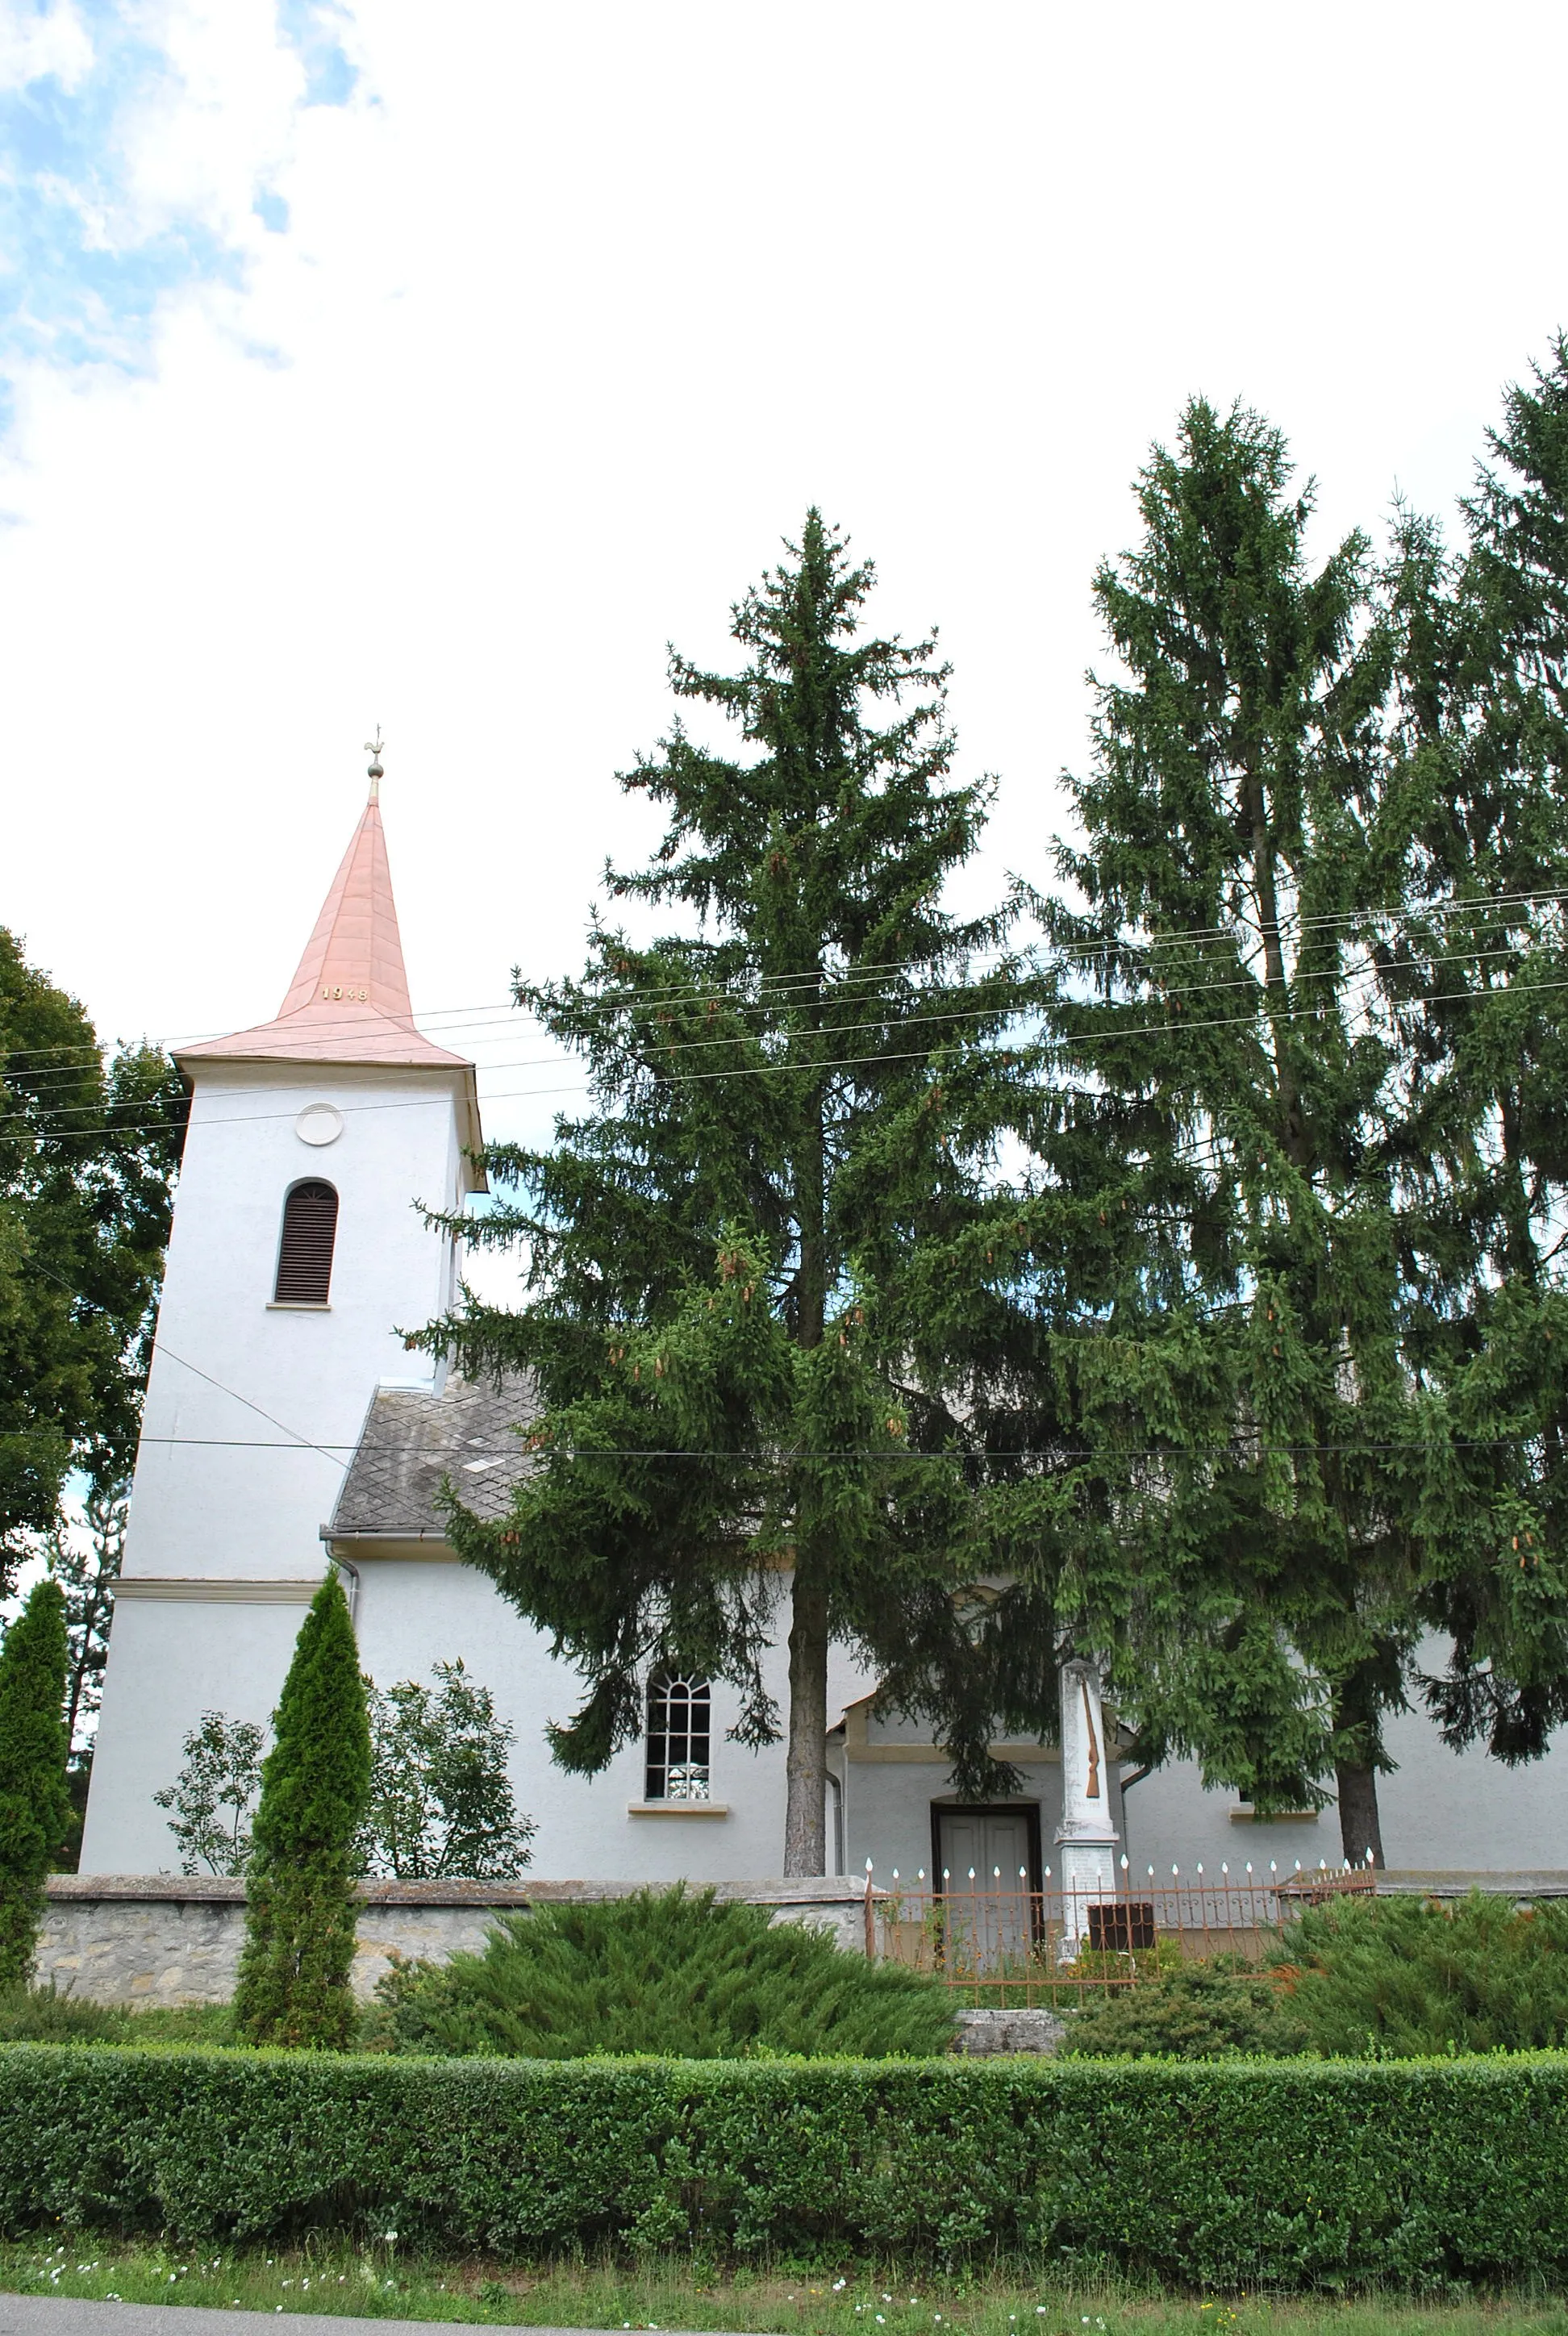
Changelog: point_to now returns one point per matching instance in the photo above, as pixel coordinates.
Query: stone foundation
(158, 1938)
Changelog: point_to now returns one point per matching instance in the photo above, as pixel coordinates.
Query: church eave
(432, 1545)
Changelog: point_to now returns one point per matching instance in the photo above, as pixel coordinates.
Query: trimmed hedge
(1294, 2174)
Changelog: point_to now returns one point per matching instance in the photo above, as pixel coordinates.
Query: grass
(180, 2023)
(48, 2015)
(378, 2283)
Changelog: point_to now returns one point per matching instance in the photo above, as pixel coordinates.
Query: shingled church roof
(412, 1440)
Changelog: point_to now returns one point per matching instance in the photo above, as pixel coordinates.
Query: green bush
(668, 1973)
(1199, 2012)
(1407, 1976)
(41, 2015)
(1240, 2174)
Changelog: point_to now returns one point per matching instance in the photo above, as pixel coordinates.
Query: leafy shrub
(667, 1973)
(1407, 1976)
(440, 1798)
(1225, 2174)
(41, 2015)
(214, 1796)
(1202, 2011)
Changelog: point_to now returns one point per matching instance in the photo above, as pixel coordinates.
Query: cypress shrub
(1382, 1978)
(664, 1972)
(35, 1812)
(294, 1971)
(1407, 1976)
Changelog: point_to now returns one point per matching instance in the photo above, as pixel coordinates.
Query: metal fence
(1003, 1944)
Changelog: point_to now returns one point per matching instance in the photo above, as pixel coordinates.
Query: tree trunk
(1359, 1830)
(806, 1831)
(806, 1769)
(1275, 991)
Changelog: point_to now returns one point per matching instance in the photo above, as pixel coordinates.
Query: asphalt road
(65, 2315)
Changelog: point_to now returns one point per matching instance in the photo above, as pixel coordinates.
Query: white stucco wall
(412, 1614)
(172, 1662)
(1465, 1810)
(169, 1664)
(1168, 1819)
(1442, 1811)
(220, 1489)
(203, 1504)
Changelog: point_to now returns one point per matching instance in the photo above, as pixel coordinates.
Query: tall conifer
(1480, 972)
(35, 1811)
(294, 1972)
(1229, 1132)
(719, 1251)
(1303, 1141)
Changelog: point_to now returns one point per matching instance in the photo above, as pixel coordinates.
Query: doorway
(991, 1918)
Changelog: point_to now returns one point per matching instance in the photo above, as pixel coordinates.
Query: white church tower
(296, 1255)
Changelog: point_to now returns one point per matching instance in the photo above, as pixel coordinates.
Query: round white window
(320, 1123)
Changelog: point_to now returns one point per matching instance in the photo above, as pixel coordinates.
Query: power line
(1244, 1452)
(1371, 974)
(1074, 1044)
(1479, 905)
(299, 1443)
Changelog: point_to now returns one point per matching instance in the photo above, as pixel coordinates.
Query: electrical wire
(1246, 1451)
(299, 1443)
(774, 984)
(1371, 975)
(1076, 1044)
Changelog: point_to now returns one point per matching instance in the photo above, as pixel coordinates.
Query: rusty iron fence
(1002, 1943)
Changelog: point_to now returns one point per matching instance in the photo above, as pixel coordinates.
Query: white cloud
(37, 43)
(575, 311)
(216, 120)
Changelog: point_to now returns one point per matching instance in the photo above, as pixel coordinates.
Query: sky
(366, 361)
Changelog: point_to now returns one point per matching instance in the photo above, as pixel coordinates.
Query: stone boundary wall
(159, 1938)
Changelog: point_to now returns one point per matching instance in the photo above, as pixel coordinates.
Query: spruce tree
(1235, 1153)
(719, 1250)
(294, 1972)
(1480, 973)
(35, 1813)
(1276, 1384)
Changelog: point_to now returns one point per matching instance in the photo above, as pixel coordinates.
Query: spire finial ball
(373, 748)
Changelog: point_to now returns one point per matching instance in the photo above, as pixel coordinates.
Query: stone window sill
(677, 1808)
(1281, 1816)
(297, 1306)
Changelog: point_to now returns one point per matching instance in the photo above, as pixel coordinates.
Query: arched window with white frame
(679, 1719)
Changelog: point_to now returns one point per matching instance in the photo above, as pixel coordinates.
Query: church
(287, 1428)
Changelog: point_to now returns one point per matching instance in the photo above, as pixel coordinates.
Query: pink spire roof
(348, 1002)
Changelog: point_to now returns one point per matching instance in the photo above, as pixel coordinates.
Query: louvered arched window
(305, 1252)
